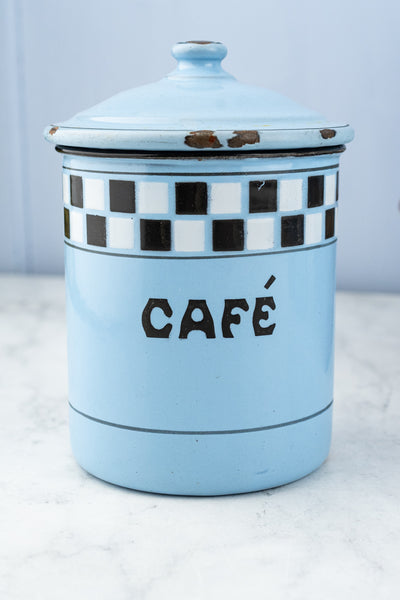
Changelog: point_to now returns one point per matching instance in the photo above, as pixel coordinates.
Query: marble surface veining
(66, 535)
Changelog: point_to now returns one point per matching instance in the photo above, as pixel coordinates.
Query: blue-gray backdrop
(341, 58)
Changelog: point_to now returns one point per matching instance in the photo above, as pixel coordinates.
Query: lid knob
(199, 59)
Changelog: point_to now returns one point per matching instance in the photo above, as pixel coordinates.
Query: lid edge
(201, 140)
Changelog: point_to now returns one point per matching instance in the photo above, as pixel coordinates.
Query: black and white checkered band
(174, 217)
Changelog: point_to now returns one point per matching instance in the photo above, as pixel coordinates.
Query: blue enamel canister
(200, 274)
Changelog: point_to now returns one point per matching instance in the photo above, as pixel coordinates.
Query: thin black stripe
(205, 257)
(221, 432)
(186, 174)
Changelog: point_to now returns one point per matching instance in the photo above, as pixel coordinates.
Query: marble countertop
(65, 534)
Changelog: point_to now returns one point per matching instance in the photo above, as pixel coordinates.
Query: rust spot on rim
(53, 130)
(204, 138)
(243, 137)
(327, 133)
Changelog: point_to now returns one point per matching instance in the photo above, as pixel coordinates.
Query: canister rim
(168, 154)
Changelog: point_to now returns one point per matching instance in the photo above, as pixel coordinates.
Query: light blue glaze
(200, 416)
(236, 394)
(198, 96)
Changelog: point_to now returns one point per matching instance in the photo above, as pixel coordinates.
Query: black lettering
(149, 329)
(228, 318)
(188, 324)
(260, 314)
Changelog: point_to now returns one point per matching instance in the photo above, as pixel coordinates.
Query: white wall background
(341, 58)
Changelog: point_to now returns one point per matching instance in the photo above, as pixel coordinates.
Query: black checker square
(191, 198)
(155, 234)
(228, 235)
(263, 196)
(66, 223)
(315, 193)
(96, 230)
(292, 231)
(122, 196)
(330, 223)
(76, 191)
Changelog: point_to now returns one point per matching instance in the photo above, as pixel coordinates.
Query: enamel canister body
(200, 239)
(200, 319)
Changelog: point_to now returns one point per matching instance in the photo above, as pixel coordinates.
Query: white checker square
(290, 194)
(313, 233)
(76, 226)
(330, 189)
(66, 189)
(189, 236)
(152, 197)
(93, 194)
(225, 198)
(120, 232)
(260, 234)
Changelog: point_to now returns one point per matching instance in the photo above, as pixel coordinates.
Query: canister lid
(198, 107)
